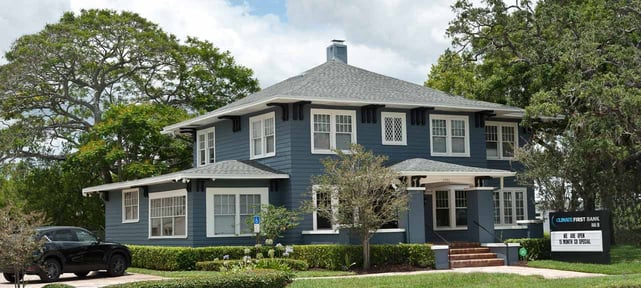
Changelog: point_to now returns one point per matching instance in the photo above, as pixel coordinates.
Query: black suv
(75, 250)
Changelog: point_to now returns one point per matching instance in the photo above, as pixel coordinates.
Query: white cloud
(397, 38)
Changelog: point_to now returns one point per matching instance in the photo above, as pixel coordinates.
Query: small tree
(365, 195)
(275, 220)
(18, 239)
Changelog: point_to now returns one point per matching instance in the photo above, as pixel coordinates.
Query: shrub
(259, 278)
(337, 257)
(265, 263)
(537, 248)
(334, 257)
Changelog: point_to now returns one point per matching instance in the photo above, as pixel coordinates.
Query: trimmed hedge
(258, 278)
(537, 248)
(333, 257)
(216, 265)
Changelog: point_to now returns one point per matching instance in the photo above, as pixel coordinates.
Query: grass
(449, 280)
(194, 274)
(626, 259)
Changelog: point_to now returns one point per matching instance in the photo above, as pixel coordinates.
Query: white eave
(492, 174)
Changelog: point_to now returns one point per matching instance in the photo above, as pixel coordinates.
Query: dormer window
(332, 129)
(262, 136)
(206, 146)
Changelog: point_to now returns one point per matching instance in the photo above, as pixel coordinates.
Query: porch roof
(426, 167)
(229, 169)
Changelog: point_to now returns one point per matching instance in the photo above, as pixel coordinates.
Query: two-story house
(265, 148)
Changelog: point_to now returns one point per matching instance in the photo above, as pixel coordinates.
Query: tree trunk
(366, 262)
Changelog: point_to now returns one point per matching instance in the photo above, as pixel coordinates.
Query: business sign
(580, 236)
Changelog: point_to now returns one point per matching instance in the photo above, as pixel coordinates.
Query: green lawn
(193, 274)
(626, 259)
(450, 280)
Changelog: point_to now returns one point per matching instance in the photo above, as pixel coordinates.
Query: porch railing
(439, 236)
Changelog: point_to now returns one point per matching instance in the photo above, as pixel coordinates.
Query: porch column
(480, 208)
(415, 226)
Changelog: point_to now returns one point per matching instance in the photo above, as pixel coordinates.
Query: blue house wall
(294, 157)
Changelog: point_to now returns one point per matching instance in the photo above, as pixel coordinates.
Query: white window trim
(332, 128)
(502, 224)
(237, 191)
(451, 202)
(448, 141)
(499, 137)
(137, 219)
(404, 127)
(198, 148)
(167, 194)
(262, 118)
(334, 203)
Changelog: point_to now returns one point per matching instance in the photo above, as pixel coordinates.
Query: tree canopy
(58, 82)
(575, 67)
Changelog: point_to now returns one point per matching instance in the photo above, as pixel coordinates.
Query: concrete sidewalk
(93, 280)
(520, 270)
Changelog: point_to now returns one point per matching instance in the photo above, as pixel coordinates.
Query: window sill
(320, 232)
(500, 159)
(449, 155)
(390, 230)
(167, 237)
(130, 221)
(329, 152)
(509, 227)
(230, 235)
(394, 144)
(262, 156)
(450, 228)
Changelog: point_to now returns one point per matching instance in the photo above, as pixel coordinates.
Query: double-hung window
(500, 140)
(393, 130)
(450, 208)
(130, 204)
(262, 134)
(449, 135)
(206, 146)
(510, 205)
(332, 129)
(229, 210)
(168, 214)
(325, 200)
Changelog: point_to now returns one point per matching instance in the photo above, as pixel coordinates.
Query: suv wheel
(11, 277)
(51, 270)
(117, 265)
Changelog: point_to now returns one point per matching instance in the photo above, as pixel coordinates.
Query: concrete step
(476, 263)
(476, 250)
(472, 256)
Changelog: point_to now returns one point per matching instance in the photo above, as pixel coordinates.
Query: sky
(276, 38)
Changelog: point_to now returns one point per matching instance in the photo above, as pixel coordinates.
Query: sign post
(256, 224)
(580, 236)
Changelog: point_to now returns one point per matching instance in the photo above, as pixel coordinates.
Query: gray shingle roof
(229, 169)
(339, 82)
(420, 166)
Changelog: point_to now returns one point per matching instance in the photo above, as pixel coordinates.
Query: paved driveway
(94, 279)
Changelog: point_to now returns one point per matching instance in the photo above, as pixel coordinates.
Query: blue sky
(277, 38)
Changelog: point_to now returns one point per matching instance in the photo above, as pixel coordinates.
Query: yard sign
(580, 236)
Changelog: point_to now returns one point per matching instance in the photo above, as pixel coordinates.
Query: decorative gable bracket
(284, 107)
(481, 116)
(418, 115)
(368, 113)
(298, 110)
(235, 120)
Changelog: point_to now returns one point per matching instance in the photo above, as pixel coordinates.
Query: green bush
(267, 263)
(334, 257)
(537, 248)
(259, 278)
